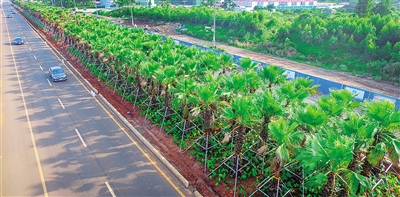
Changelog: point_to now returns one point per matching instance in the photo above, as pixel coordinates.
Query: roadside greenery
(255, 122)
(364, 46)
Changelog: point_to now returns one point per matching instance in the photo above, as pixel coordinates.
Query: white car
(56, 73)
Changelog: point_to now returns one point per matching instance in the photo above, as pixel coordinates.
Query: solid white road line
(40, 67)
(110, 189)
(80, 137)
(49, 82)
(35, 57)
(61, 104)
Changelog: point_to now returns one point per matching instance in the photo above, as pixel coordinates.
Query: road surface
(58, 140)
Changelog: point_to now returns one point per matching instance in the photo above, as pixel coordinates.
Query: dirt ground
(184, 163)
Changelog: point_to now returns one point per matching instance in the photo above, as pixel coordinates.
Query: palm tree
(148, 72)
(295, 91)
(246, 64)
(272, 75)
(226, 63)
(356, 126)
(337, 102)
(233, 85)
(325, 160)
(206, 104)
(286, 138)
(268, 105)
(311, 117)
(210, 61)
(386, 119)
(206, 100)
(244, 112)
(182, 92)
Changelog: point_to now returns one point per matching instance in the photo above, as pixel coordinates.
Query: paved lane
(82, 151)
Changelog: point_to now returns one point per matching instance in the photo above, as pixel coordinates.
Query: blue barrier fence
(325, 86)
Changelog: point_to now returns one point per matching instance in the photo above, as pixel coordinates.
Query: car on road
(18, 40)
(8, 16)
(13, 12)
(56, 73)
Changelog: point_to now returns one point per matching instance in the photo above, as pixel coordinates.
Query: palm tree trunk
(240, 140)
(354, 164)
(264, 133)
(207, 120)
(329, 187)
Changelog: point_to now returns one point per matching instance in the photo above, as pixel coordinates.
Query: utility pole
(214, 26)
(131, 13)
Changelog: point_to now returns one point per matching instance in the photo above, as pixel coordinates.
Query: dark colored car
(56, 73)
(18, 40)
(8, 16)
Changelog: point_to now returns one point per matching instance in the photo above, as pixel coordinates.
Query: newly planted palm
(148, 72)
(246, 64)
(252, 80)
(244, 112)
(311, 117)
(182, 92)
(207, 103)
(291, 93)
(272, 75)
(386, 119)
(226, 63)
(337, 102)
(269, 107)
(167, 77)
(357, 128)
(138, 59)
(233, 85)
(210, 61)
(325, 160)
(286, 139)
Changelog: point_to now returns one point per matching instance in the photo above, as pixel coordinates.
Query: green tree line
(364, 46)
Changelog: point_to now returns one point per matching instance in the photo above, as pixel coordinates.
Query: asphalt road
(56, 139)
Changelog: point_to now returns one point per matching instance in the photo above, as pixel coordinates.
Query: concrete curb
(197, 194)
(147, 143)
